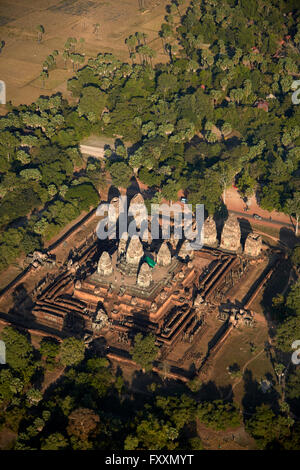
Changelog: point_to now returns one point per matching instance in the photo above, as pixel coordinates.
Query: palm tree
(40, 30)
(178, 3)
(216, 96)
(73, 60)
(81, 58)
(97, 29)
(76, 59)
(131, 43)
(171, 48)
(145, 36)
(151, 53)
(65, 57)
(293, 208)
(44, 75)
(224, 83)
(139, 36)
(81, 42)
(132, 57)
(226, 129)
(147, 53)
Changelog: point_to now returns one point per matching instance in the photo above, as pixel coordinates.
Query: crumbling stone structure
(231, 235)
(172, 299)
(138, 210)
(145, 276)
(105, 266)
(253, 245)
(114, 210)
(134, 295)
(135, 251)
(210, 233)
(164, 255)
(186, 252)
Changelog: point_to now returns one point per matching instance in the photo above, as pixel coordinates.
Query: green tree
(31, 174)
(225, 174)
(40, 31)
(296, 256)
(55, 441)
(292, 207)
(34, 396)
(91, 103)
(82, 422)
(121, 174)
(166, 83)
(19, 351)
(8, 144)
(289, 329)
(152, 434)
(219, 414)
(266, 427)
(72, 351)
(49, 348)
(144, 351)
(84, 196)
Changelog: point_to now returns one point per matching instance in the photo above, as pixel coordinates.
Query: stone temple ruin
(137, 297)
(210, 233)
(253, 245)
(231, 235)
(118, 288)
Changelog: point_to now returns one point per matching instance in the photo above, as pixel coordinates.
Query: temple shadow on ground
(245, 230)
(112, 193)
(271, 263)
(22, 306)
(288, 237)
(276, 285)
(220, 218)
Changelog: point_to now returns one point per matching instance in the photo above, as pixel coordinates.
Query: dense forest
(92, 406)
(218, 111)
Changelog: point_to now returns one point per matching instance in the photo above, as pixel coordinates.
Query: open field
(237, 350)
(22, 56)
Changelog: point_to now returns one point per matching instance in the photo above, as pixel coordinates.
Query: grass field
(252, 362)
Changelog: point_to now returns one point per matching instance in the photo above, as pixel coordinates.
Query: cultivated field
(22, 56)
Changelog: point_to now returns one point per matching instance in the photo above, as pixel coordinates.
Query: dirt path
(51, 378)
(243, 370)
(263, 221)
(276, 239)
(235, 204)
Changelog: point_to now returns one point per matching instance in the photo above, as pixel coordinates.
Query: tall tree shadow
(254, 396)
(22, 305)
(112, 193)
(288, 237)
(132, 189)
(245, 230)
(209, 391)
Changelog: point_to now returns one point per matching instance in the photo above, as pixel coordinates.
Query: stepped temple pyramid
(130, 285)
(114, 289)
